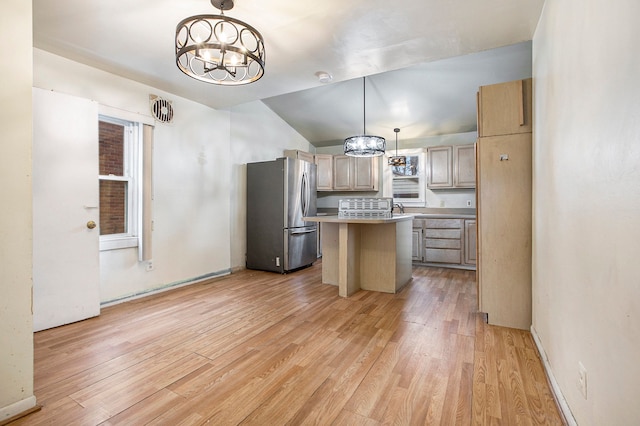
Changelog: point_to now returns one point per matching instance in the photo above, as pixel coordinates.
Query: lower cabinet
(446, 242)
(416, 241)
(443, 241)
(470, 237)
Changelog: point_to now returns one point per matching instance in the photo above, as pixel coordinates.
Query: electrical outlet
(149, 266)
(468, 203)
(582, 380)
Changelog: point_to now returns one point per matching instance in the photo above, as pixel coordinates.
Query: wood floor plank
(263, 348)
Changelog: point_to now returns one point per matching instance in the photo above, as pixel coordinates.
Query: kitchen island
(365, 254)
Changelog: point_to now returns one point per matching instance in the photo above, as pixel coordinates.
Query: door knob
(91, 224)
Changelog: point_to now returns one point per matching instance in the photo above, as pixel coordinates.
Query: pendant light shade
(397, 160)
(218, 49)
(364, 145)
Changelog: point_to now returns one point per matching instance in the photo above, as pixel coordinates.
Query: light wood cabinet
(470, 241)
(300, 155)
(443, 241)
(416, 241)
(342, 173)
(503, 197)
(464, 166)
(324, 170)
(355, 173)
(451, 167)
(365, 174)
(505, 108)
(440, 167)
(446, 242)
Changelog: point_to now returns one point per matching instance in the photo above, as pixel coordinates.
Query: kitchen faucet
(399, 206)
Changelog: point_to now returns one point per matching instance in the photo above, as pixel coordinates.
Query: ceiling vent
(161, 109)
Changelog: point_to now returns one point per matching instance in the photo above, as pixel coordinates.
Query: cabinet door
(504, 229)
(470, 241)
(324, 167)
(439, 168)
(300, 155)
(416, 244)
(464, 166)
(505, 108)
(341, 173)
(305, 156)
(365, 174)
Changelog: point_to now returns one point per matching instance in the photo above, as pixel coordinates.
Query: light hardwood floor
(268, 349)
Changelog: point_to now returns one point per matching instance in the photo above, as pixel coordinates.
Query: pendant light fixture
(218, 49)
(364, 145)
(397, 160)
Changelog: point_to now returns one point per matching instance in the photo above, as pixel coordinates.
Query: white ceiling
(426, 94)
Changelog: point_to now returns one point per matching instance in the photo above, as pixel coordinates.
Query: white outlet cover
(582, 379)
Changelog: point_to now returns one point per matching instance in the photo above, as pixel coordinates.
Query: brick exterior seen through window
(113, 194)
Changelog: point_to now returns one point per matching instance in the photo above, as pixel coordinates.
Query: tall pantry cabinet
(503, 191)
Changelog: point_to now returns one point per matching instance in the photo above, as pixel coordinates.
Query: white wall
(453, 198)
(257, 134)
(199, 177)
(586, 286)
(191, 177)
(16, 322)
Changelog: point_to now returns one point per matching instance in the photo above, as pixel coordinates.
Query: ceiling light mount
(364, 145)
(218, 49)
(397, 160)
(324, 77)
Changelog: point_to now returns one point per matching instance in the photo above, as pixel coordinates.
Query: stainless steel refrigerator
(279, 194)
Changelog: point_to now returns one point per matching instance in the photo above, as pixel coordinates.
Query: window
(119, 151)
(406, 184)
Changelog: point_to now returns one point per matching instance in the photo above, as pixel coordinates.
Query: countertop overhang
(442, 216)
(336, 219)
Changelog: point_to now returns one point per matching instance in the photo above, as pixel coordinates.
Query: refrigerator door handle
(304, 194)
(307, 231)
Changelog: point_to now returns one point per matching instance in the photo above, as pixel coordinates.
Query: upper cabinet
(300, 155)
(464, 166)
(355, 173)
(505, 108)
(451, 167)
(324, 167)
(341, 172)
(440, 167)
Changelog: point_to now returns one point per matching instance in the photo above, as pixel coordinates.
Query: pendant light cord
(364, 106)
(396, 130)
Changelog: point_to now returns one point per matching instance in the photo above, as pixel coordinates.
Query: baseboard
(555, 388)
(445, 265)
(171, 286)
(18, 409)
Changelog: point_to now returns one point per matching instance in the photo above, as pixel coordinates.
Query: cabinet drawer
(443, 233)
(442, 255)
(417, 223)
(441, 243)
(443, 223)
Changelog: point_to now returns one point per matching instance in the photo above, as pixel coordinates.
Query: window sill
(118, 243)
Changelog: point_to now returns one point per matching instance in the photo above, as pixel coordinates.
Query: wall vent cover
(161, 109)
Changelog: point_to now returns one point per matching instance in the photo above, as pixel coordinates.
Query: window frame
(132, 157)
(421, 201)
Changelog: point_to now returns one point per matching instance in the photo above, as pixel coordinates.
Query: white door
(66, 275)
